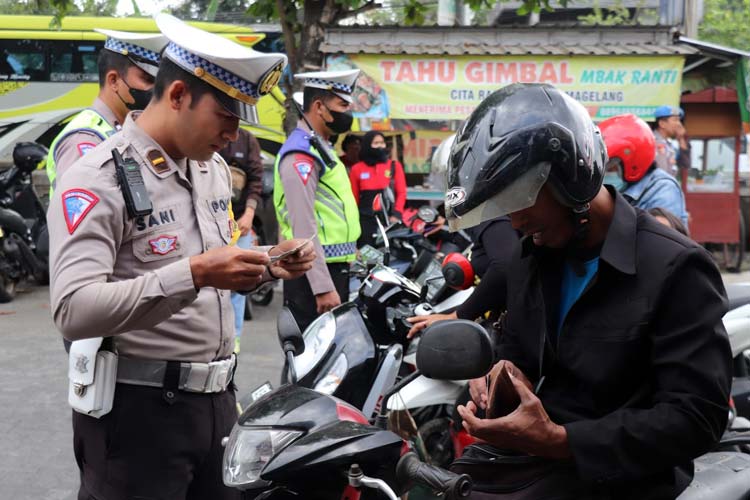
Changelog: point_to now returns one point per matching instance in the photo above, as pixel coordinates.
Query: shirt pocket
(217, 207)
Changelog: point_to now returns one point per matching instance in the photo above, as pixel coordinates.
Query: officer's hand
(245, 223)
(296, 264)
(228, 268)
(327, 301)
(435, 226)
(422, 322)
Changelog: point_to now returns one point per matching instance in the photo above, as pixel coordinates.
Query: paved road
(36, 461)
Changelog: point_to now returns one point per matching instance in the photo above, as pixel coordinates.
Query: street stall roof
(561, 40)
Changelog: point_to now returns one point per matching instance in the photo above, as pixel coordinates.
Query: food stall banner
(743, 91)
(449, 88)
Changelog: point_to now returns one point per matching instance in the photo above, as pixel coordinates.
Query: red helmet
(628, 138)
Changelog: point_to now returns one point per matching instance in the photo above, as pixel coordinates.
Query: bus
(48, 75)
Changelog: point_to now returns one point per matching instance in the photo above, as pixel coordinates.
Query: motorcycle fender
(738, 329)
(424, 391)
(452, 302)
(384, 380)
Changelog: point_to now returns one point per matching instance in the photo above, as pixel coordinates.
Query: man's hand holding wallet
(516, 419)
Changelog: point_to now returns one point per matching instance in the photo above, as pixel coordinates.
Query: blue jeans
(238, 300)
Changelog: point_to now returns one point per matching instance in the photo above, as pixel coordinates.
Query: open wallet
(503, 398)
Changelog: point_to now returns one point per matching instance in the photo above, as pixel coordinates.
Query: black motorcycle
(298, 443)
(24, 244)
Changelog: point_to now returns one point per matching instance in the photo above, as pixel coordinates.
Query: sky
(148, 7)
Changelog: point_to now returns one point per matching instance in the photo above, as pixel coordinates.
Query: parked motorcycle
(298, 443)
(24, 245)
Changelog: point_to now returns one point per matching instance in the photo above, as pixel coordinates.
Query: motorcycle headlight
(248, 451)
(335, 375)
(318, 339)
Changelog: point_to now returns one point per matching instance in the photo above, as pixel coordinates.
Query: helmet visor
(519, 194)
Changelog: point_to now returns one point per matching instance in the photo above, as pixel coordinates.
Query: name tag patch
(163, 244)
(77, 203)
(364, 175)
(157, 218)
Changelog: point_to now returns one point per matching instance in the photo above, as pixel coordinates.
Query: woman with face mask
(377, 174)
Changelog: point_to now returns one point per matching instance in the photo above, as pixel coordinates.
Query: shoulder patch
(77, 203)
(304, 165)
(85, 147)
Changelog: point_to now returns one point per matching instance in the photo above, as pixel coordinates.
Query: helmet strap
(581, 218)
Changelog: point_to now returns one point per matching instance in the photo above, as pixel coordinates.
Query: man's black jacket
(641, 371)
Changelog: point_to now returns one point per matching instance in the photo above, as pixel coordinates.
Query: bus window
(22, 60)
(74, 61)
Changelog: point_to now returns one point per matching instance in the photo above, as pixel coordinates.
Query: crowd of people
(611, 320)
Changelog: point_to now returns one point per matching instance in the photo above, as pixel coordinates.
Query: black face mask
(342, 121)
(141, 98)
(381, 154)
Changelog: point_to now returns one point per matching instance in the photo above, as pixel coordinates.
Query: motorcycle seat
(738, 294)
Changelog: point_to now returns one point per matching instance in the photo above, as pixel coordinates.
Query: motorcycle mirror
(455, 350)
(290, 337)
(458, 271)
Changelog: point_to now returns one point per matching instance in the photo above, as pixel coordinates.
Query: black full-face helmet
(519, 138)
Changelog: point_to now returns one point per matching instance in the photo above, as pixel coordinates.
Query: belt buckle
(218, 375)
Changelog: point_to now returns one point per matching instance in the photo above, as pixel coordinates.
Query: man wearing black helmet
(613, 338)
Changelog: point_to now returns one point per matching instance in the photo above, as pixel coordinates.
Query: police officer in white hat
(127, 66)
(313, 196)
(147, 262)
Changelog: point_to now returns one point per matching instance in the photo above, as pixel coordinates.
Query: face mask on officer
(141, 98)
(342, 121)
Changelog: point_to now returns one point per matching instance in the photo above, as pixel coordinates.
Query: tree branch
(371, 5)
(288, 31)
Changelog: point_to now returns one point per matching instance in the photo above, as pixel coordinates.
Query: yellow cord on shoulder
(235, 227)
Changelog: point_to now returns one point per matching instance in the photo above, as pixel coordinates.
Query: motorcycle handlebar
(453, 486)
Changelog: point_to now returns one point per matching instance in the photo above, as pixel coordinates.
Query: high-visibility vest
(335, 208)
(87, 120)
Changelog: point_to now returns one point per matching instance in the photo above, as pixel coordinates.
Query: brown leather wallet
(503, 397)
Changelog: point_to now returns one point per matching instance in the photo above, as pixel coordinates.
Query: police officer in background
(312, 195)
(127, 66)
(668, 126)
(244, 154)
(157, 284)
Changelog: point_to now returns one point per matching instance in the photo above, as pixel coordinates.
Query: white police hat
(340, 83)
(142, 49)
(241, 74)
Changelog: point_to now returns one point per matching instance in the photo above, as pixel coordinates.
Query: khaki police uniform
(80, 142)
(129, 279)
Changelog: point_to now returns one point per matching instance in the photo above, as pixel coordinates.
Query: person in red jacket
(375, 174)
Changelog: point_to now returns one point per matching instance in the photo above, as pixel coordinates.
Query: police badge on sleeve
(77, 203)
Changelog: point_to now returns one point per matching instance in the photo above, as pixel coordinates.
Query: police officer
(312, 194)
(157, 285)
(127, 67)
(668, 126)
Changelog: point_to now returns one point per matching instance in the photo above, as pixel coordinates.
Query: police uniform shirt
(77, 144)
(666, 157)
(299, 174)
(112, 275)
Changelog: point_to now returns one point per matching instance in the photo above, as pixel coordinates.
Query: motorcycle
(287, 440)
(24, 246)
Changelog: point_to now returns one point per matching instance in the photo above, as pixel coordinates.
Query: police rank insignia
(163, 244)
(77, 203)
(157, 161)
